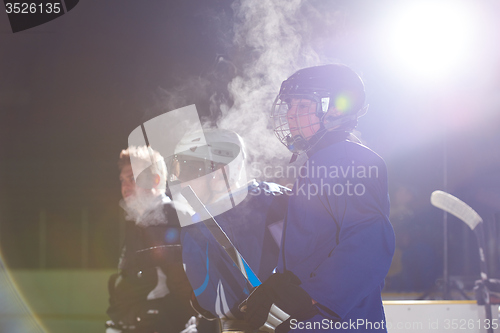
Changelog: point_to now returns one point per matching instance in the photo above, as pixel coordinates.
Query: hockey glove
(257, 306)
(282, 290)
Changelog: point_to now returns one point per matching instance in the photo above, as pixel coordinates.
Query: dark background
(72, 90)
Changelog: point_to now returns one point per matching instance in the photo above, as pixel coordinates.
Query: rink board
(438, 317)
(430, 316)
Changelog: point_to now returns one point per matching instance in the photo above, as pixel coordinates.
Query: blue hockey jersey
(337, 237)
(254, 227)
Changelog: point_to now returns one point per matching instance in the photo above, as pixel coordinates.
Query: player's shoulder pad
(267, 187)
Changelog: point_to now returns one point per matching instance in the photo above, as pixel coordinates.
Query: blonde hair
(144, 156)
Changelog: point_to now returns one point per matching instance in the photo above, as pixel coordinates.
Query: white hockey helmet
(202, 152)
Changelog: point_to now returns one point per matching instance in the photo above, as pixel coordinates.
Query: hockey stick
(469, 216)
(276, 315)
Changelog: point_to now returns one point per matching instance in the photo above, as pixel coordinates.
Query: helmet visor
(192, 164)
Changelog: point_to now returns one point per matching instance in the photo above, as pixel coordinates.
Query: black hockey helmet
(333, 85)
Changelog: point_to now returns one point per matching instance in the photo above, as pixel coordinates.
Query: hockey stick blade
(469, 216)
(456, 207)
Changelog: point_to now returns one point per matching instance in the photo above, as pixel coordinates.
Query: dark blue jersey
(337, 237)
(254, 227)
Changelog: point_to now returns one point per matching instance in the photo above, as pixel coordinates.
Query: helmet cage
(281, 117)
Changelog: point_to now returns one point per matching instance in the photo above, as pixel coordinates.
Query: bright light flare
(431, 37)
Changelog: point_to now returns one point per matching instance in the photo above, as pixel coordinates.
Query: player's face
(302, 118)
(127, 182)
(130, 189)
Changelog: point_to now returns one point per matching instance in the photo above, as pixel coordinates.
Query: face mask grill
(296, 118)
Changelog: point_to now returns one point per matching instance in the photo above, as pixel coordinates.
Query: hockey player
(151, 292)
(250, 213)
(337, 242)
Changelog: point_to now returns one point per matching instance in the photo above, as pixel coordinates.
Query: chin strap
(332, 123)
